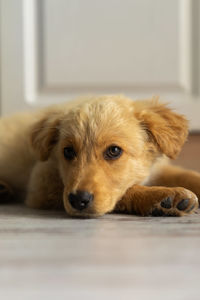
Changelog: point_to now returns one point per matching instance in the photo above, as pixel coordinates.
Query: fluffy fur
(141, 180)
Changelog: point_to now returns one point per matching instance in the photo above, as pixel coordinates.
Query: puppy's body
(16, 157)
(102, 154)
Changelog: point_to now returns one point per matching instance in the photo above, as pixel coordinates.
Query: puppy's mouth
(88, 213)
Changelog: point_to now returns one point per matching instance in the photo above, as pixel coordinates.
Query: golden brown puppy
(101, 154)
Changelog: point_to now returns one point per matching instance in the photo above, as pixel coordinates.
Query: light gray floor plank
(46, 255)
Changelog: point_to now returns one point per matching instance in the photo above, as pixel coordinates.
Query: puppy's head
(104, 146)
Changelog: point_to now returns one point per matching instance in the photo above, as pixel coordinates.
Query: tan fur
(32, 163)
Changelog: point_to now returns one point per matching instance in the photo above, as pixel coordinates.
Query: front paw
(179, 202)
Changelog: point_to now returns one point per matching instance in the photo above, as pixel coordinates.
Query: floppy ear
(167, 129)
(44, 135)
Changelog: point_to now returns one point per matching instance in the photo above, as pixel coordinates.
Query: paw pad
(191, 208)
(166, 203)
(157, 212)
(183, 204)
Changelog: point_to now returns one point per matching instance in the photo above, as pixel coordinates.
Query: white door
(54, 50)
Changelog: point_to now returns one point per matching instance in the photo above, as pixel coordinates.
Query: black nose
(80, 200)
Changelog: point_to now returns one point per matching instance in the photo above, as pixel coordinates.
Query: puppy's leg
(173, 176)
(45, 189)
(6, 193)
(157, 201)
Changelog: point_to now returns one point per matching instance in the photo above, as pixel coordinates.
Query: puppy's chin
(84, 214)
(87, 213)
(80, 215)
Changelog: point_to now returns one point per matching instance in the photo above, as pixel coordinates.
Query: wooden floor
(45, 255)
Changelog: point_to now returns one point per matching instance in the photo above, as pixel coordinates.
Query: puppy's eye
(113, 152)
(69, 153)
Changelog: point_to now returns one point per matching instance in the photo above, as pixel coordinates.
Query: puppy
(98, 155)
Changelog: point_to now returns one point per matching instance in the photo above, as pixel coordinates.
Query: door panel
(121, 43)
